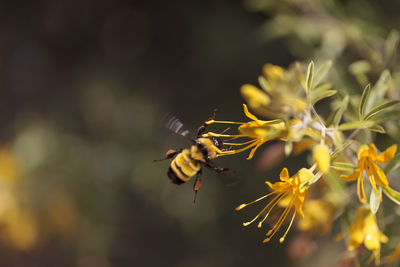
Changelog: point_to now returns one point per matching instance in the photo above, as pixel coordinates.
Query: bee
(188, 162)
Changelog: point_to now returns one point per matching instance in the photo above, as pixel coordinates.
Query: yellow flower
(322, 157)
(367, 159)
(289, 193)
(364, 230)
(318, 215)
(281, 94)
(258, 130)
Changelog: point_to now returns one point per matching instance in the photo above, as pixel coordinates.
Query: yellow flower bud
(254, 96)
(322, 157)
(273, 72)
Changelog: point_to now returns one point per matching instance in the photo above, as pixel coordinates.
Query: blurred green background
(85, 86)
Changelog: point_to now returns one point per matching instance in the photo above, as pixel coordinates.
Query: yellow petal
(305, 175)
(363, 151)
(384, 238)
(372, 150)
(284, 202)
(298, 204)
(284, 174)
(273, 72)
(356, 238)
(258, 144)
(379, 176)
(322, 157)
(350, 177)
(254, 96)
(248, 114)
(372, 242)
(269, 184)
(387, 155)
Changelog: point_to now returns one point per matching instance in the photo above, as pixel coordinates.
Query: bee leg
(169, 155)
(197, 184)
(203, 127)
(217, 169)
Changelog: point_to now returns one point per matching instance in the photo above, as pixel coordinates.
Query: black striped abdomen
(183, 167)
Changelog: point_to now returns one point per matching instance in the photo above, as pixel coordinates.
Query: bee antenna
(232, 138)
(224, 131)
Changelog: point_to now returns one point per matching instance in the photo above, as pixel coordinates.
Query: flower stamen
(287, 230)
(276, 227)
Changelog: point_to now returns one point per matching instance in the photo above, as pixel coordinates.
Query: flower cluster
(342, 148)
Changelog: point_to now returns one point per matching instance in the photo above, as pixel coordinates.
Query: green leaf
(392, 165)
(392, 194)
(339, 150)
(391, 44)
(363, 100)
(319, 95)
(375, 200)
(322, 71)
(343, 166)
(323, 87)
(377, 129)
(339, 112)
(338, 139)
(386, 115)
(314, 179)
(356, 125)
(360, 67)
(378, 91)
(309, 78)
(380, 108)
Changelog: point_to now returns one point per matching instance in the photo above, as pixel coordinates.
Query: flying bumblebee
(187, 162)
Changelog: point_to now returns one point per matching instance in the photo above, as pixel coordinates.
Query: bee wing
(173, 124)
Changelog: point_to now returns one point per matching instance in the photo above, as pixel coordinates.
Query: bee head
(217, 141)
